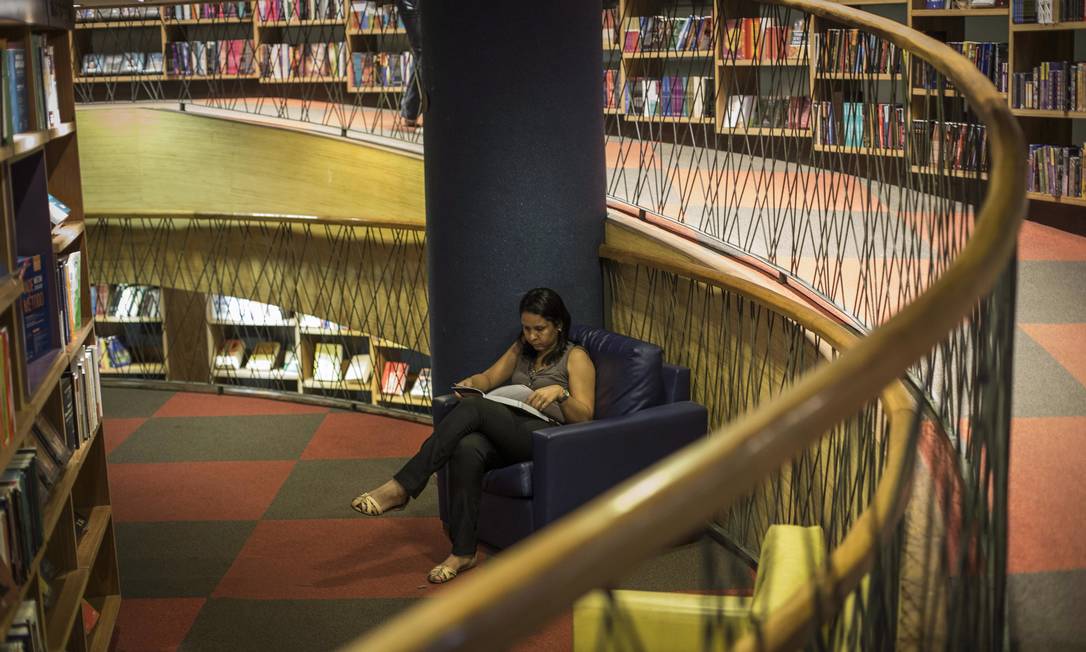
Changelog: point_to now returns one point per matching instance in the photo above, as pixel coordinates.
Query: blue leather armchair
(643, 413)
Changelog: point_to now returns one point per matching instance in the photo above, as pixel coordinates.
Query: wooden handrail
(532, 582)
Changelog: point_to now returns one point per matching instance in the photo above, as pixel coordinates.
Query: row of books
(944, 146)
(330, 364)
(989, 57)
(668, 33)
(754, 111)
(245, 311)
(265, 356)
(763, 39)
(1047, 11)
(36, 468)
(1052, 85)
(367, 14)
(303, 60)
(22, 503)
(1056, 170)
(269, 10)
(126, 301)
(19, 75)
(230, 57)
(7, 391)
(669, 96)
(611, 97)
(25, 633)
(859, 124)
(856, 51)
(116, 13)
(70, 315)
(209, 10)
(610, 26)
(124, 63)
(381, 68)
(963, 4)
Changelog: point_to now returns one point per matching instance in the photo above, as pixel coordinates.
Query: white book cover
(328, 362)
(359, 368)
(49, 83)
(652, 96)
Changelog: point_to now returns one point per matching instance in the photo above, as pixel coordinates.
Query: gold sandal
(365, 504)
(441, 573)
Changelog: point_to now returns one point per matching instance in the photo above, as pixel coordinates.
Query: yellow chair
(654, 620)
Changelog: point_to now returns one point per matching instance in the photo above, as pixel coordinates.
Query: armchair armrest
(442, 405)
(577, 462)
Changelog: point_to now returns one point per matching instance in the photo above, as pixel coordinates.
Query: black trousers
(478, 435)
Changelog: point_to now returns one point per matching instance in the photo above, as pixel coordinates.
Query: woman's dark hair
(546, 303)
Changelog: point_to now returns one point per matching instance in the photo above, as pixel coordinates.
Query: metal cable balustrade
(837, 179)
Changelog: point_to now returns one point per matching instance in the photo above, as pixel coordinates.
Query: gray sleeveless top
(555, 374)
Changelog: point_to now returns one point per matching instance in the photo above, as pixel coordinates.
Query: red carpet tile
(360, 436)
(630, 154)
(334, 559)
(118, 430)
(1065, 343)
(213, 405)
(556, 636)
(195, 491)
(1040, 242)
(155, 625)
(1047, 494)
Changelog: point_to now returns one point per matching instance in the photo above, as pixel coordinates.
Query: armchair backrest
(629, 372)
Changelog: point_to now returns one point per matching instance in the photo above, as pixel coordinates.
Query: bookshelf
(359, 47)
(60, 559)
(158, 320)
(370, 29)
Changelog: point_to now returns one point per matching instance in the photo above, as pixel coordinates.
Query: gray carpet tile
(700, 566)
(202, 439)
(1051, 292)
(325, 489)
(125, 403)
(1046, 611)
(287, 625)
(1042, 386)
(178, 558)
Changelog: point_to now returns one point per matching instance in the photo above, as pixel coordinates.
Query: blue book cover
(15, 62)
(37, 327)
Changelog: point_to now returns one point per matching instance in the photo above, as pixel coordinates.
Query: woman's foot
(388, 497)
(450, 568)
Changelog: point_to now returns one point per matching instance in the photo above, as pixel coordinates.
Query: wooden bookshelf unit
(72, 569)
(149, 340)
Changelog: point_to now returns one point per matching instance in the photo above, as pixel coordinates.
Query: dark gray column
(515, 176)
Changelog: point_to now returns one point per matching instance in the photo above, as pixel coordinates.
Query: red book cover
(394, 378)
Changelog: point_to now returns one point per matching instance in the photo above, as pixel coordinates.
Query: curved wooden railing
(527, 585)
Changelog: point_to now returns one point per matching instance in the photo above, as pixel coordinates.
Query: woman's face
(538, 332)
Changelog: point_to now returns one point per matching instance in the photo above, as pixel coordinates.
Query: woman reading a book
(559, 381)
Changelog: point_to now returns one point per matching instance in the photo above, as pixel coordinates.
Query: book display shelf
(729, 67)
(163, 334)
(348, 46)
(59, 587)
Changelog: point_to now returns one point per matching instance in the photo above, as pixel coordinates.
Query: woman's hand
(467, 382)
(544, 396)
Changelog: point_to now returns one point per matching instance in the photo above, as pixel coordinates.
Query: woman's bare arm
(581, 404)
(498, 373)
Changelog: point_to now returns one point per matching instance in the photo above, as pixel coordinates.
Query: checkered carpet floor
(235, 532)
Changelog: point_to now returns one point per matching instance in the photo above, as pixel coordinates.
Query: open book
(515, 396)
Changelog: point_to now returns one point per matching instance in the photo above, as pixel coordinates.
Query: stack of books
(126, 63)
(381, 68)
(670, 96)
(1047, 11)
(210, 10)
(1052, 85)
(664, 33)
(958, 146)
(367, 14)
(302, 60)
(767, 112)
(857, 52)
(1056, 170)
(859, 124)
(762, 39)
(989, 57)
(232, 57)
